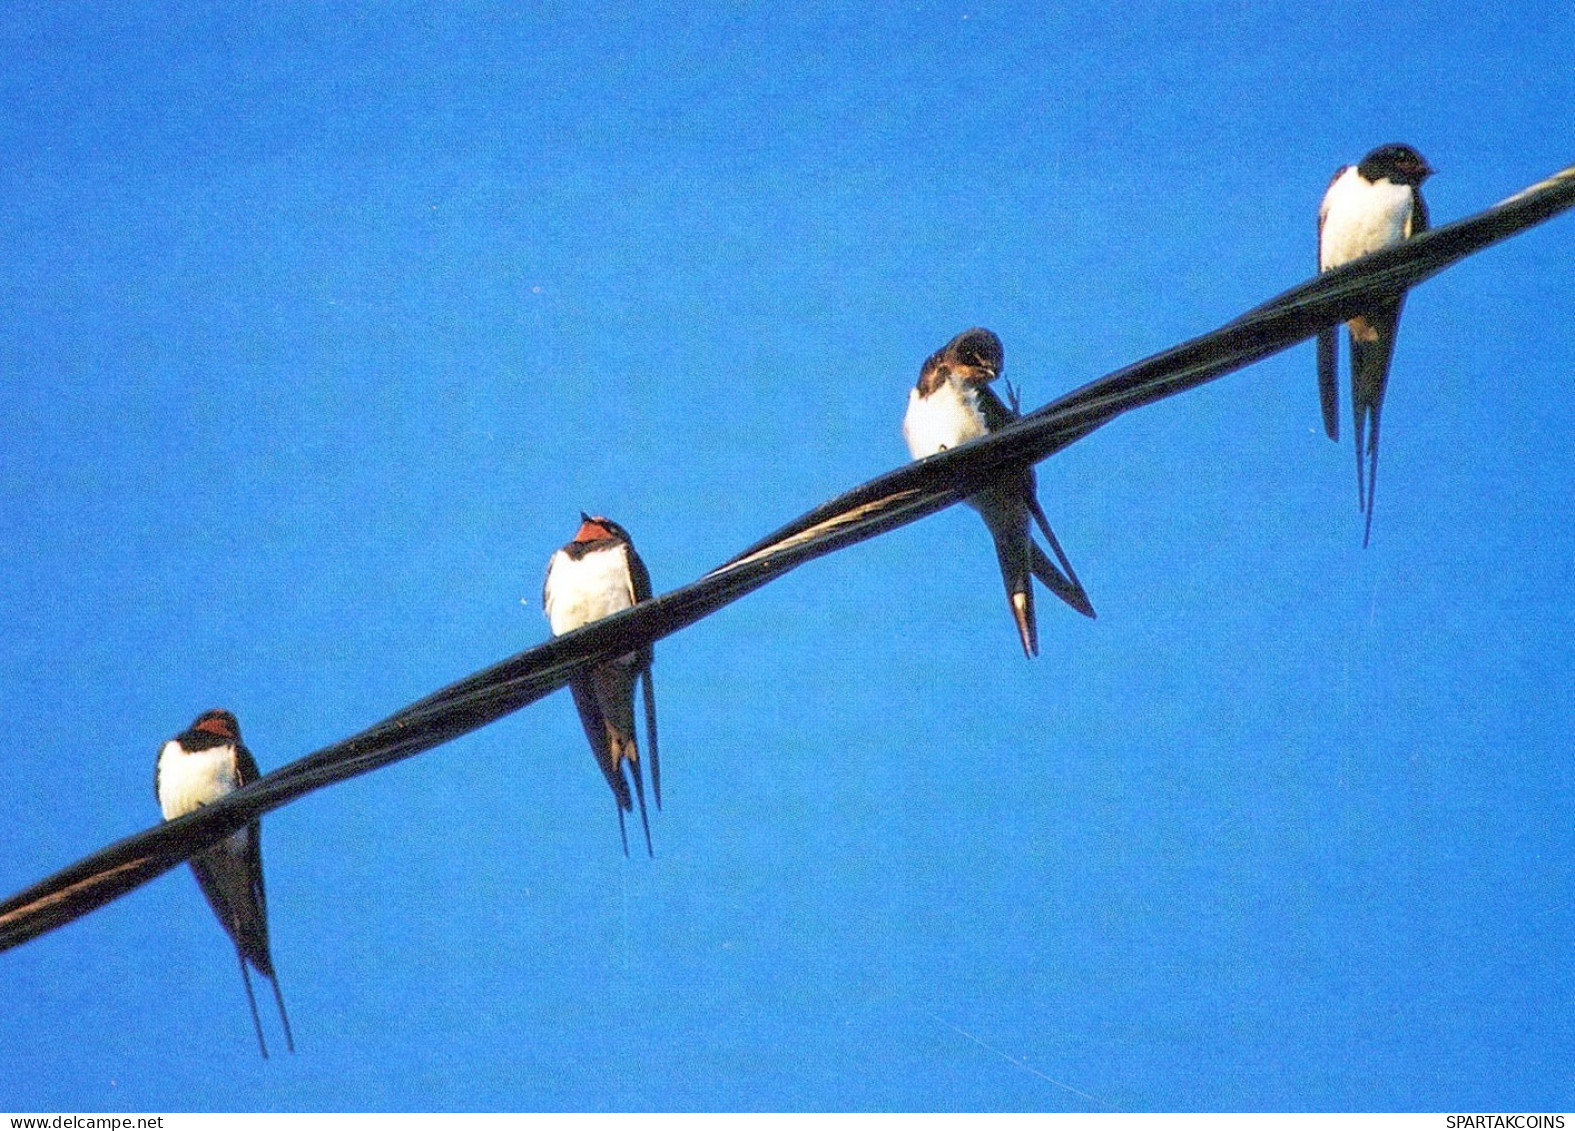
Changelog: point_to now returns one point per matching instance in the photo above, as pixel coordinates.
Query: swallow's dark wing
(639, 576)
(255, 918)
(246, 770)
(1329, 380)
(650, 734)
(640, 580)
(255, 934)
(1419, 218)
(230, 875)
(639, 590)
(1062, 582)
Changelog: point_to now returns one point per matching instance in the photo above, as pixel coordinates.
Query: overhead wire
(882, 504)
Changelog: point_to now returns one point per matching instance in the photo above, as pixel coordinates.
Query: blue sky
(319, 328)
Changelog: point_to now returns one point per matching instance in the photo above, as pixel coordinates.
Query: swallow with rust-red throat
(952, 404)
(1368, 206)
(595, 575)
(199, 766)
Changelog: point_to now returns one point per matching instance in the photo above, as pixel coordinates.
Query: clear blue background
(319, 328)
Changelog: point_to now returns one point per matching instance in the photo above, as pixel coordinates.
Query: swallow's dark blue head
(1398, 164)
(977, 352)
(973, 355)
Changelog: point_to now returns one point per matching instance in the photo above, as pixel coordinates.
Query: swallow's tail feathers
(1022, 601)
(1329, 380)
(1372, 472)
(1372, 348)
(1062, 582)
(639, 793)
(284, 1017)
(1359, 424)
(606, 701)
(649, 690)
(252, 930)
(251, 1000)
(1011, 552)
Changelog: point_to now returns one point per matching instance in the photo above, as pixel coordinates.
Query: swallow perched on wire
(1367, 207)
(595, 575)
(952, 404)
(199, 766)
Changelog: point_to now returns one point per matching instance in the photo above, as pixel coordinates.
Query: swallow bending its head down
(953, 403)
(596, 575)
(1367, 207)
(198, 766)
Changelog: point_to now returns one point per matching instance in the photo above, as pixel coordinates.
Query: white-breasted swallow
(952, 404)
(1368, 206)
(595, 575)
(199, 766)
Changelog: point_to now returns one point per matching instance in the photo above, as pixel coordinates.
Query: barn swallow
(596, 575)
(952, 404)
(202, 765)
(1367, 207)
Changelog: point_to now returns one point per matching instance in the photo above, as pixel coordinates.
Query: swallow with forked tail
(199, 766)
(1368, 207)
(596, 575)
(952, 404)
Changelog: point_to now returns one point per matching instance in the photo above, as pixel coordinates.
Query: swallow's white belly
(1361, 218)
(946, 418)
(579, 592)
(190, 781)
